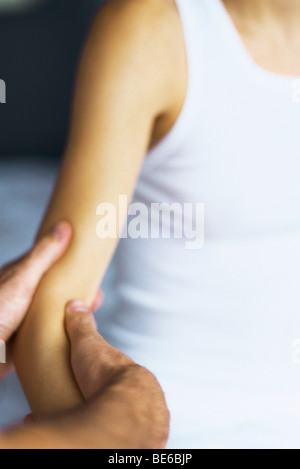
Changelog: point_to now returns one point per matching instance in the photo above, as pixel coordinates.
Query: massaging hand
(94, 361)
(125, 406)
(130, 407)
(20, 279)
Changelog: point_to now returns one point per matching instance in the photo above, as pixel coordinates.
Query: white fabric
(217, 325)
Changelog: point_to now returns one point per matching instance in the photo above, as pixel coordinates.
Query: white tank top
(220, 326)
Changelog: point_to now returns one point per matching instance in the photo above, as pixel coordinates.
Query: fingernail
(78, 306)
(59, 230)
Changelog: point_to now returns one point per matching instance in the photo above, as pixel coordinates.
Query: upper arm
(124, 84)
(122, 87)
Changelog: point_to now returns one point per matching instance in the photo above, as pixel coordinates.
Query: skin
(270, 32)
(19, 281)
(129, 93)
(125, 407)
(124, 404)
(117, 114)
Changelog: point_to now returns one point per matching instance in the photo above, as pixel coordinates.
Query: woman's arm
(124, 86)
(122, 417)
(125, 407)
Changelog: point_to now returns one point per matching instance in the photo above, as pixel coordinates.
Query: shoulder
(147, 36)
(147, 20)
(141, 42)
(150, 12)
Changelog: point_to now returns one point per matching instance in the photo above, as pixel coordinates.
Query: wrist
(133, 409)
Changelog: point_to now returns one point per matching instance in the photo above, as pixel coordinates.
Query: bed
(25, 187)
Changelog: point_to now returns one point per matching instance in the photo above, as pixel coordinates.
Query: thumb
(94, 361)
(45, 253)
(80, 323)
(85, 347)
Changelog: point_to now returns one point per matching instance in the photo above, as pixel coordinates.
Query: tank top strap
(193, 35)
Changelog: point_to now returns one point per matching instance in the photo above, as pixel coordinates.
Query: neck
(270, 30)
(285, 12)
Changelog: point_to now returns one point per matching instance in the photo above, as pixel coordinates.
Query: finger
(98, 301)
(94, 361)
(87, 349)
(79, 321)
(44, 254)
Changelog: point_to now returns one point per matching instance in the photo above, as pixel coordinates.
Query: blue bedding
(25, 188)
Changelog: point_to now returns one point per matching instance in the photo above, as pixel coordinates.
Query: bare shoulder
(150, 12)
(154, 22)
(149, 35)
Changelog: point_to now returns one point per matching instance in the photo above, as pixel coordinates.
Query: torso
(218, 325)
(270, 51)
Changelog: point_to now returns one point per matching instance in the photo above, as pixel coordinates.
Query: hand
(20, 279)
(131, 395)
(126, 407)
(94, 361)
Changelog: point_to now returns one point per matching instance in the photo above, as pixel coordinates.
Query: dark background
(39, 51)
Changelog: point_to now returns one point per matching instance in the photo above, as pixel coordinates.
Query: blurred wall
(39, 50)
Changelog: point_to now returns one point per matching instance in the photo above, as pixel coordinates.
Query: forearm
(42, 359)
(41, 348)
(130, 413)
